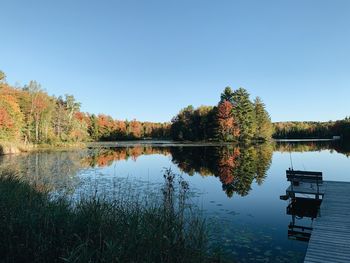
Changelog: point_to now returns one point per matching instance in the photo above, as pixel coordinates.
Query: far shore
(170, 143)
(18, 147)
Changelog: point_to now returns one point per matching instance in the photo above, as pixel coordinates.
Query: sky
(148, 59)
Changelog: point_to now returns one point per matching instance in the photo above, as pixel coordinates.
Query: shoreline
(19, 147)
(8, 148)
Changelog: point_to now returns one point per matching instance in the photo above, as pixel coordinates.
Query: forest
(31, 115)
(312, 130)
(235, 119)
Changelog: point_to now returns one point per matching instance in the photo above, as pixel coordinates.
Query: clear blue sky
(148, 59)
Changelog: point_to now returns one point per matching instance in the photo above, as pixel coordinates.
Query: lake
(237, 188)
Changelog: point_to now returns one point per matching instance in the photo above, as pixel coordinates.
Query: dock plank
(330, 237)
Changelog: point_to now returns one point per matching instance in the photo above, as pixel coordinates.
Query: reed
(34, 227)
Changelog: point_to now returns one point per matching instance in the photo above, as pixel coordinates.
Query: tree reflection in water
(105, 157)
(236, 167)
(339, 146)
(53, 171)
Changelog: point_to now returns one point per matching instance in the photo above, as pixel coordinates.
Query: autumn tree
(69, 124)
(227, 129)
(39, 110)
(75, 126)
(135, 129)
(120, 130)
(79, 127)
(105, 126)
(11, 118)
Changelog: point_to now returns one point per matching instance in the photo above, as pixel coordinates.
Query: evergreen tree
(264, 128)
(93, 129)
(243, 112)
(227, 95)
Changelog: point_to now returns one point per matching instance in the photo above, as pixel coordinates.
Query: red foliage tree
(226, 165)
(227, 129)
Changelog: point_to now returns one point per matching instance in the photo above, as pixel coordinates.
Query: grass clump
(35, 228)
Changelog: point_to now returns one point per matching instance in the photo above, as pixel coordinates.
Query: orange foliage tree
(11, 118)
(227, 129)
(135, 129)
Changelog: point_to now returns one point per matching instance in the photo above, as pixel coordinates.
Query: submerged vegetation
(34, 227)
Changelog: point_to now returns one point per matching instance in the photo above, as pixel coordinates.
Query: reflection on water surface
(238, 188)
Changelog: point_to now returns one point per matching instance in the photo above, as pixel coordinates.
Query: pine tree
(243, 112)
(227, 95)
(264, 128)
(94, 129)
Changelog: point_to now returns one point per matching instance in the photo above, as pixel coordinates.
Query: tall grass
(35, 228)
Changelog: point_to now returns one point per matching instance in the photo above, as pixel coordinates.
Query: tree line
(29, 114)
(235, 118)
(312, 130)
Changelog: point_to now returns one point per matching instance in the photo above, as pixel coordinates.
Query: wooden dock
(306, 188)
(330, 237)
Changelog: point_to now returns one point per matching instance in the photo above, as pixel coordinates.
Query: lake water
(238, 188)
